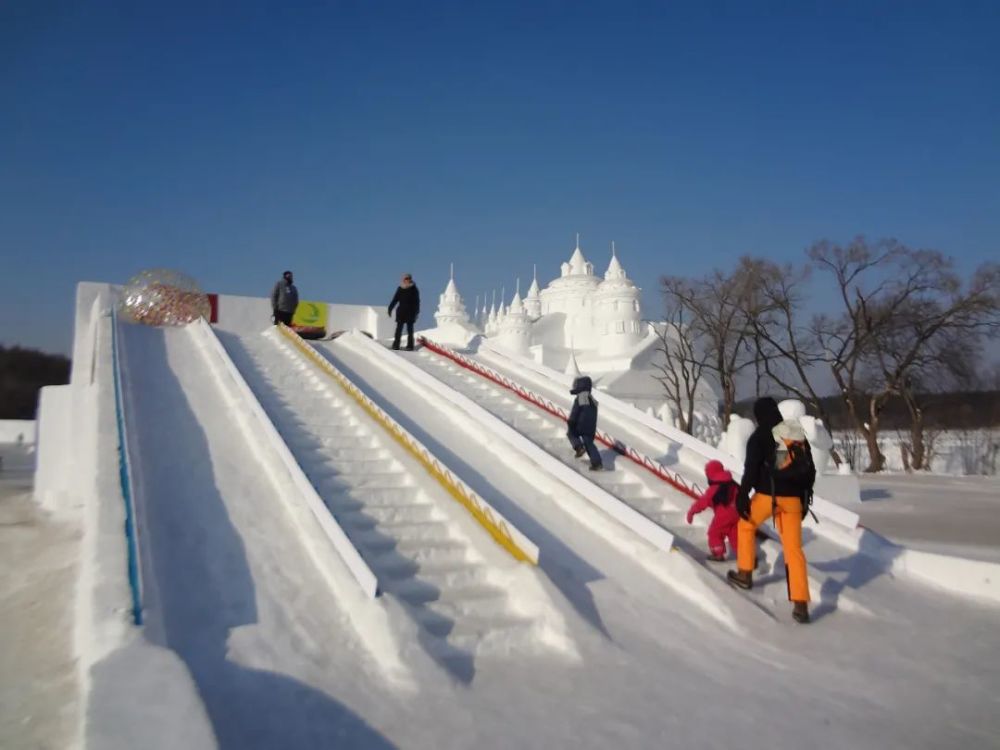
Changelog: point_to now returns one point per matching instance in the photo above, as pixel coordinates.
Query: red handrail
(657, 469)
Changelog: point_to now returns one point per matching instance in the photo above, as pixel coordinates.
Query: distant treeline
(961, 410)
(22, 373)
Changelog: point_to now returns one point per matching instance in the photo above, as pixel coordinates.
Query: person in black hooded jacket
(774, 495)
(581, 426)
(406, 300)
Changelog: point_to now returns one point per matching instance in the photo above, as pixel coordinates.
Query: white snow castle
(579, 322)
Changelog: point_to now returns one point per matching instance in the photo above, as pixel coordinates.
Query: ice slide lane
(426, 551)
(642, 491)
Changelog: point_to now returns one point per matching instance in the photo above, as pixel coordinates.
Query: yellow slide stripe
(475, 505)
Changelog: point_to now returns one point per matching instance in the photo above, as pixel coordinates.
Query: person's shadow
(872, 560)
(197, 575)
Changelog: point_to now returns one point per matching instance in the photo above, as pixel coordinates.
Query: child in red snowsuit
(721, 495)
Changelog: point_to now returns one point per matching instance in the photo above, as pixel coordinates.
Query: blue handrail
(125, 476)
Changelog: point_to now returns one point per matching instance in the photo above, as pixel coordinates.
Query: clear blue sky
(350, 141)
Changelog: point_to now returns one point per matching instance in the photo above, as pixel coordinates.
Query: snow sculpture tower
(572, 295)
(451, 308)
(533, 300)
(515, 328)
(617, 313)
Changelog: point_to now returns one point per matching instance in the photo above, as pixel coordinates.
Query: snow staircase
(620, 479)
(381, 498)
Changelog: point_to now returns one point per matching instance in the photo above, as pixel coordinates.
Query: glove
(274, 316)
(390, 312)
(743, 506)
(690, 516)
(807, 500)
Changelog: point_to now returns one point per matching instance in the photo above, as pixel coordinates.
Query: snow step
(464, 633)
(396, 518)
(440, 549)
(362, 482)
(436, 572)
(424, 530)
(488, 603)
(630, 491)
(370, 496)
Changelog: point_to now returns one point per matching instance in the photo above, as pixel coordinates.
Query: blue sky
(351, 141)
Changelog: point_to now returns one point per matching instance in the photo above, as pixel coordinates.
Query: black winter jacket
(582, 420)
(761, 455)
(406, 300)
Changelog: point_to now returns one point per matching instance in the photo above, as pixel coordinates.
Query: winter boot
(580, 451)
(740, 578)
(800, 612)
(597, 467)
(716, 557)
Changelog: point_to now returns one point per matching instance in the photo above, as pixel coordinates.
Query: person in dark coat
(582, 422)
(774, 495)
(406, 300)
(284, 299)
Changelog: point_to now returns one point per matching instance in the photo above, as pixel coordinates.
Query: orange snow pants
(788, 519)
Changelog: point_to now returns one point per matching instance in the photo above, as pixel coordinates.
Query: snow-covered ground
(955, 515)
(38, 690)
(237, 593)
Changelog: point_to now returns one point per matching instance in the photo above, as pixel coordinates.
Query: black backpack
(793, 463)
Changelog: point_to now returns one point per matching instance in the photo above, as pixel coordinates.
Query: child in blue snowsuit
(582, 422)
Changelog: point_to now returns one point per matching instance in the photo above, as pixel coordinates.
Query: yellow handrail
(475, 505)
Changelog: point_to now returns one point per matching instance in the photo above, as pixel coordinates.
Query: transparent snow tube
(162, 297)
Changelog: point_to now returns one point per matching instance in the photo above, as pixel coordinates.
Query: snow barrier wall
(245, 315)
(505, 533)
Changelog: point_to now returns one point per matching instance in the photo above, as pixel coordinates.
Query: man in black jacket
(284, 299)
(783, 495)
(406, 300)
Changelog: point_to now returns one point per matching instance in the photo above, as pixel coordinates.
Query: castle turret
(451, 308)
(533, 300)
(572, 294)
(617, 313)
(515, 328)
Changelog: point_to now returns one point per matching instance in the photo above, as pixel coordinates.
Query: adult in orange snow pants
(788, 519)
(778, 493)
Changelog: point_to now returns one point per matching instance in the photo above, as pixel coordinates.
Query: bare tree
(935, 344)
(786, 350)
(684, 362)
(891, 293)
(716, 304)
